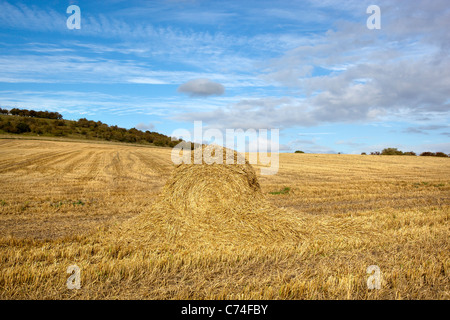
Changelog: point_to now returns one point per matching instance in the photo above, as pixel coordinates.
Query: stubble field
(93, 205)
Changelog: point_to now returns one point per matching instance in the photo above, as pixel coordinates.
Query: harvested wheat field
(140, 227)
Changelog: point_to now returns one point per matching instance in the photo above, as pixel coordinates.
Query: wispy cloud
(425, 129)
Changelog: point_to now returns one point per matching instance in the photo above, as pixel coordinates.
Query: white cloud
(145, 126)
(201, 88)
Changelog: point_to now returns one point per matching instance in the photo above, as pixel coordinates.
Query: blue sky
(311, 69)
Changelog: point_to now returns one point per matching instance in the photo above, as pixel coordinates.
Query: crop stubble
(64, 203)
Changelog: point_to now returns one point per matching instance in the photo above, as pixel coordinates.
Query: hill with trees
(52, 124)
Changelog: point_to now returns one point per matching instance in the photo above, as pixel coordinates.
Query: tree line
(396, 152)
(31, 113)
(22, 121)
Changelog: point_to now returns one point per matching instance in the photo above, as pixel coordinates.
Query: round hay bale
(213, 188)
(212, 205)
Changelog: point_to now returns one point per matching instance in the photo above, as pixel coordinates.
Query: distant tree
(5, 126)
(441, 154)
(148, 137)
(83, 122)
(391, 151)
(363, 153)
(432, 154)
(134, 131)
(409, 153)
(22, 127)
(299, 151)
(159, 143)
(52, 115)
(14, 111)
(427, 154)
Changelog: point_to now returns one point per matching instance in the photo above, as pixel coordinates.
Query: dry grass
(105, 208)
